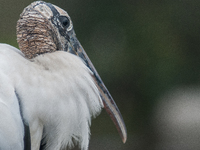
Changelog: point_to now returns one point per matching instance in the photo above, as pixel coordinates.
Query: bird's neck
(34, 36)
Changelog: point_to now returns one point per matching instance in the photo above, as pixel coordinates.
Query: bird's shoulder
(6, 49)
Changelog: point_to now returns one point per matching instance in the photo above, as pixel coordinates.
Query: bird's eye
(64, 21)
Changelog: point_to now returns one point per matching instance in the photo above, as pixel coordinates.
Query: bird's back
(11, 125)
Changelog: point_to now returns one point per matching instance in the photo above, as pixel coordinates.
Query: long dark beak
(109, 104)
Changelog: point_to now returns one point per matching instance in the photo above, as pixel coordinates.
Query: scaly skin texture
(34, 34)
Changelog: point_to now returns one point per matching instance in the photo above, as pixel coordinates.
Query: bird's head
(45, 28)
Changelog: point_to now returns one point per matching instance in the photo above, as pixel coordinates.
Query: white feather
(57, 93)
(11, 125)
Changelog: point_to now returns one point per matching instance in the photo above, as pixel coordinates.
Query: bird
(50, 85)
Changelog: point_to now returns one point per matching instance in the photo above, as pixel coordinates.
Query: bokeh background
(147, 53)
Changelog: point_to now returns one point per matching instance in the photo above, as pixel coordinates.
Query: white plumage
(47, 87)
(54, 92)
(11, 125)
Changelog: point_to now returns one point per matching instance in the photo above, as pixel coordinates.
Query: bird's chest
(53, 99)
(59, 103)
(60, 106)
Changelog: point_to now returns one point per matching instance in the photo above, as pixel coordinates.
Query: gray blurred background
(147, 53)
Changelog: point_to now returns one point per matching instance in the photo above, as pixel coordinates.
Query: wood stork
(50, 84)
